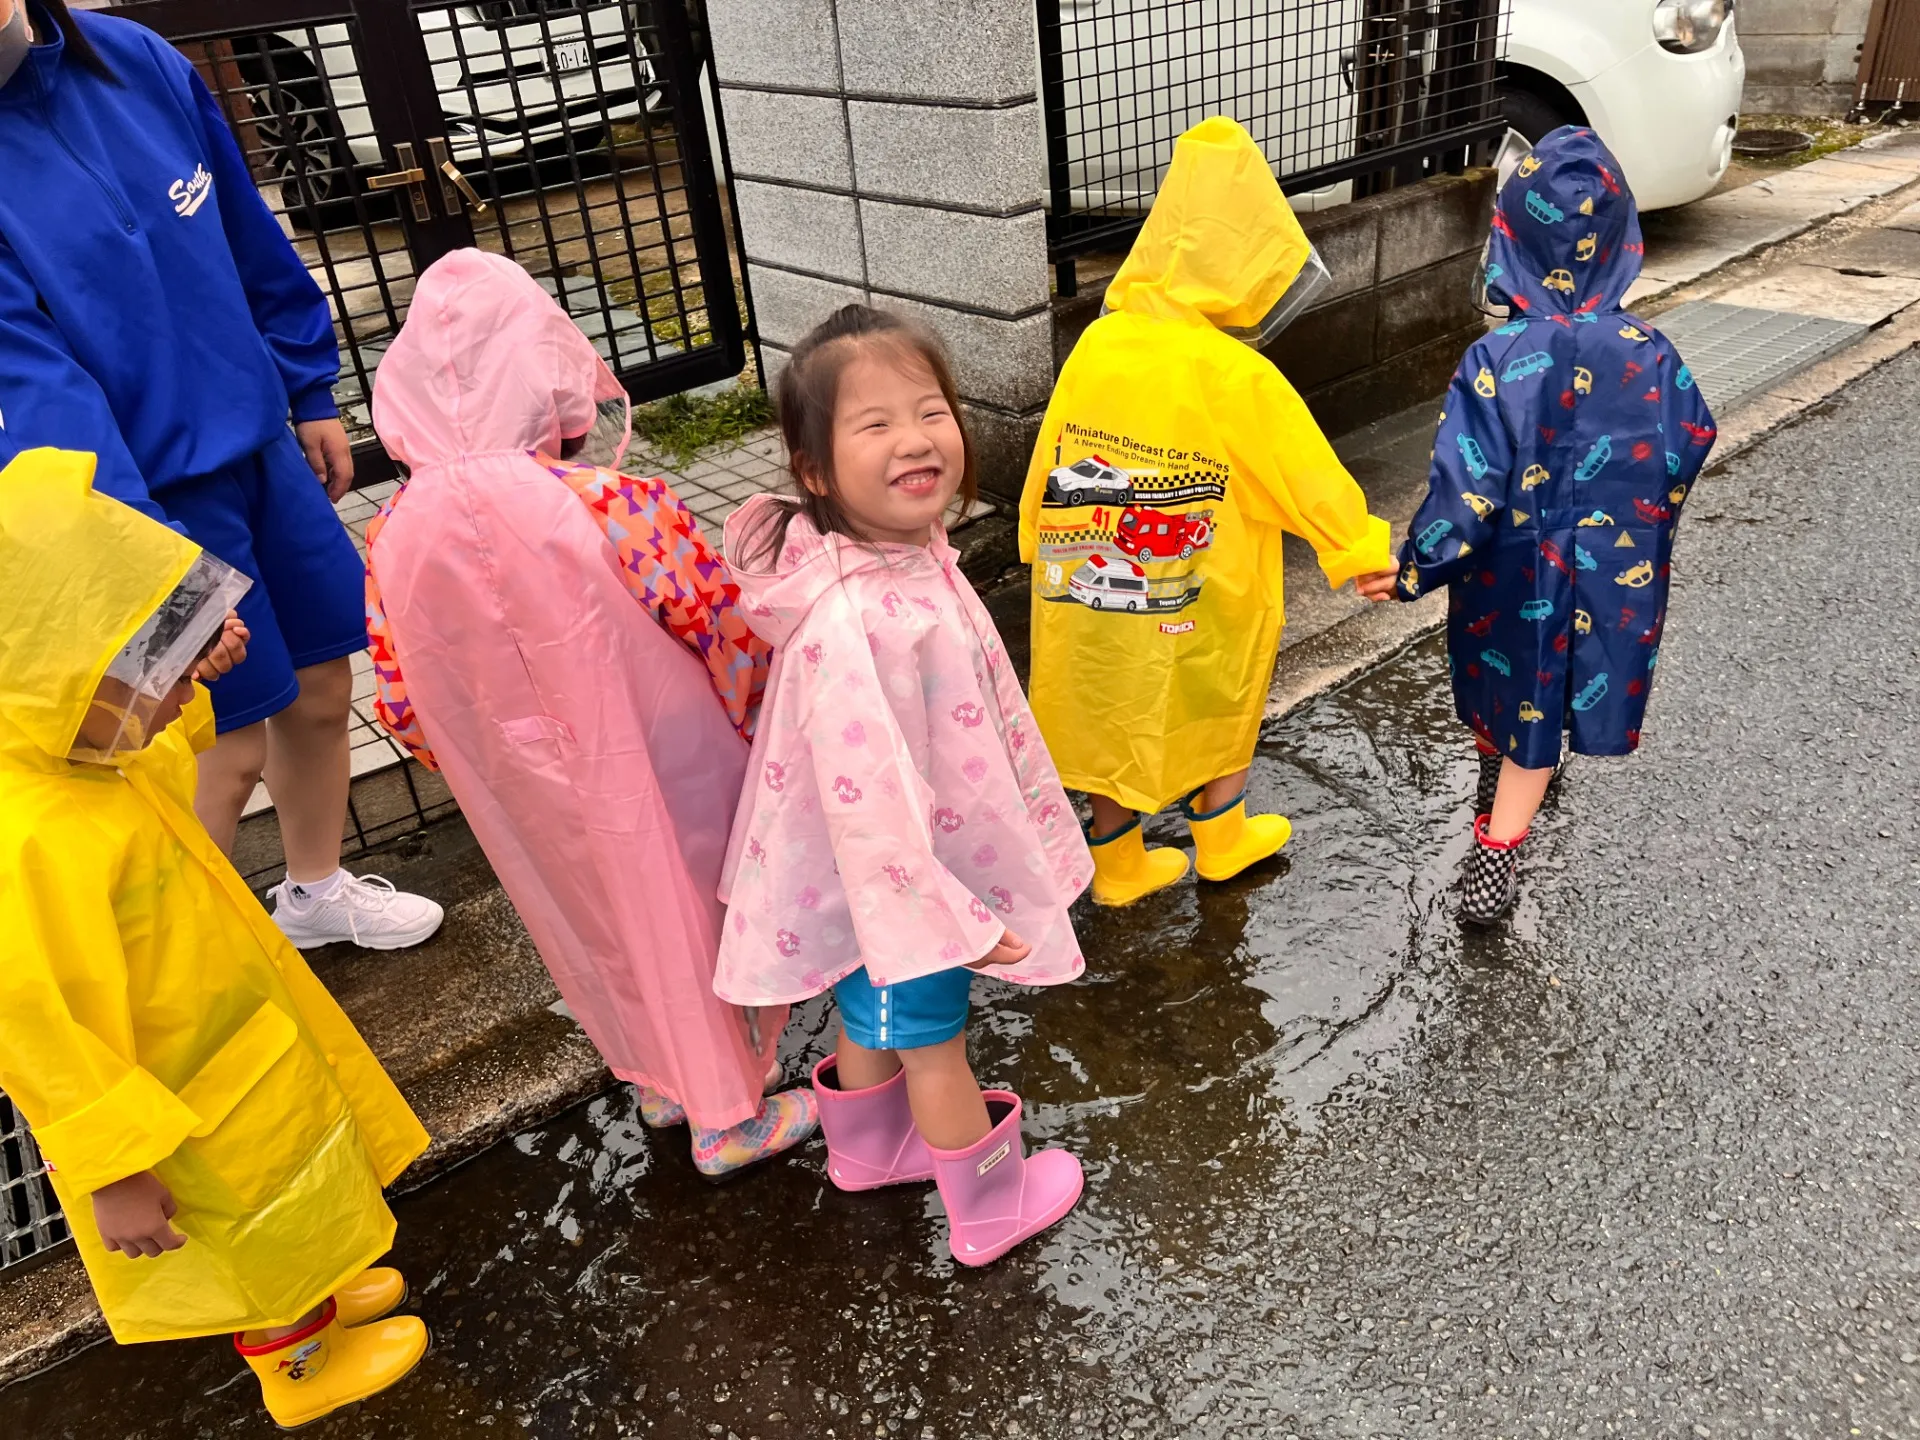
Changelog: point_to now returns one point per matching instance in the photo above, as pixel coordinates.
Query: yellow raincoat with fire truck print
(152, 1017)
(1171, 460)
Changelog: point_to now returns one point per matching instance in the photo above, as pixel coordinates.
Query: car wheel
(298, 134)
(1097, 603)
(1186, 551)
(1076, 497)
(1533, 114)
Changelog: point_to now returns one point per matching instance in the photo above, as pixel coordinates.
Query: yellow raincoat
(1171, 459)
(151, 1015)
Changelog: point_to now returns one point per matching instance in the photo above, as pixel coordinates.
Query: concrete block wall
(1802, 55)
(892, 151)
(1401, 310)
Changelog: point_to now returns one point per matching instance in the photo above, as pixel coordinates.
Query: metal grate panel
(1343, 96)
(30, 1221)
(1736, 351)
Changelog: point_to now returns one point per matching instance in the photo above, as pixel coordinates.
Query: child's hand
(228, 651)
(1378, 586)
(132, 1216)
(1010, 951)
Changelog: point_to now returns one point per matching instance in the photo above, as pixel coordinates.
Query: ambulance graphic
(1104, 583)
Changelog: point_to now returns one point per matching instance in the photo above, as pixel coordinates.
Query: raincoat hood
(778, 596)
(84, 573)
(1566, 231)
(488, 362)
(1221, 245)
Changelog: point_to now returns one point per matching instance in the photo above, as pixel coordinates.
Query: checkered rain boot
(1488, 882)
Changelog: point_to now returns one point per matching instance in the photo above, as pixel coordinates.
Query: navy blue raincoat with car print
(1570, 438)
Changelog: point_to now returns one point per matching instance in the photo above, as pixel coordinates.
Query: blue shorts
(269, 518)
(908, 1016)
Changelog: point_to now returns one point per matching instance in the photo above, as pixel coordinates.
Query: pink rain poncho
(902, 811)
(587, 747)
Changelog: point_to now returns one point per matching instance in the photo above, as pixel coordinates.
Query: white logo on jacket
(189, 195)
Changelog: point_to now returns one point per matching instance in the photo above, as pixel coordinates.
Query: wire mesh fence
(1344, 97)
(30, 1221)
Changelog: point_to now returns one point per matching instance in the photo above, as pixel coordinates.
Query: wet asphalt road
(1642, 1166)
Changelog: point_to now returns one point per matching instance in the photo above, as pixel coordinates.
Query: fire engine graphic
(1113, 549)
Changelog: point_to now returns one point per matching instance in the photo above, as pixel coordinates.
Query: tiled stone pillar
(891, 151)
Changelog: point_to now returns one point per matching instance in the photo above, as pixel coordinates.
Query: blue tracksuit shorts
(269, 518)
(908, 1016)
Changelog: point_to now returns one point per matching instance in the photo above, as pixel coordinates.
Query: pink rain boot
(871, 1141)
(995, 1193)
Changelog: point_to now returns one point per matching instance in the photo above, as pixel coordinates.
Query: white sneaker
(364, 910)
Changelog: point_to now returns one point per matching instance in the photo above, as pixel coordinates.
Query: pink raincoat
(586, 746)
(902, 811)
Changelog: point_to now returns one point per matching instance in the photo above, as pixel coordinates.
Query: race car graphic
(1089, 480)
(1651, 513)
(1151, 535)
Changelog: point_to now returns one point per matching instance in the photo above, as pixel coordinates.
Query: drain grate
(1735, 350)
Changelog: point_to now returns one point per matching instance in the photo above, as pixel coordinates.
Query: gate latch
(410, 175)
(453, 185)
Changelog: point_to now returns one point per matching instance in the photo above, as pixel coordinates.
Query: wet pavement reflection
(582, 1280)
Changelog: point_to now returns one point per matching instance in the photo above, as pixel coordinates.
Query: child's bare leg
(1223, 791)
(280, 1332)
(948, 1109)
(1109, 815)
(861, 1068)
(1517, 801)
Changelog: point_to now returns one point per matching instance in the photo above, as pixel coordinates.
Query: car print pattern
(1556, 488)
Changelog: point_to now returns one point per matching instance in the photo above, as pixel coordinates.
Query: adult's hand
(329, 452)
(132, 1216)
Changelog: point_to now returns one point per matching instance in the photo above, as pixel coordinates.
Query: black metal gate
(1363, 94)
(569, 135)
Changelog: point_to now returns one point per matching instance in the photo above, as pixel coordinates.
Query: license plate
(572, 55)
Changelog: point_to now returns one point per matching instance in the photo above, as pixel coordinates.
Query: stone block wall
(891, 151)
(1401, 310)
(1802, 55)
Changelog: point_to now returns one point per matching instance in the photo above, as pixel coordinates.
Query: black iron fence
(1345, 97)
(30, 1220)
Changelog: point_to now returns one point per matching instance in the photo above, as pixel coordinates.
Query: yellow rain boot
(1228, 840)
(1124, 870)
(376, 1291)
(322, 1367)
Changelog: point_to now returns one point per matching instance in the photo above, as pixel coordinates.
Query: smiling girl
(903, 826)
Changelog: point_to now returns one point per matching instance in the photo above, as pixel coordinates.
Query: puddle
(583, 1281)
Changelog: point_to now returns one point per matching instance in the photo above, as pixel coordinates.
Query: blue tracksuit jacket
(151, 310)
(1569, 441)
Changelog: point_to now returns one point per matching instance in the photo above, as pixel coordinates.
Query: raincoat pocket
(265, 1103)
